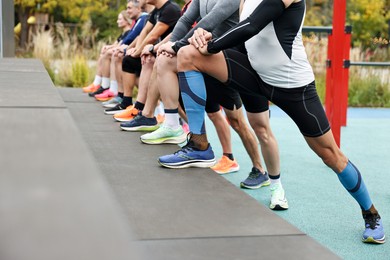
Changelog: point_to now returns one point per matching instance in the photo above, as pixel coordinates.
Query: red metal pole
(339, 9)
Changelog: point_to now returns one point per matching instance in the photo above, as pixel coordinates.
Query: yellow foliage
(80, 71)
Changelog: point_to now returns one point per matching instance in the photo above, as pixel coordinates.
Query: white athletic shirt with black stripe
(277, 52)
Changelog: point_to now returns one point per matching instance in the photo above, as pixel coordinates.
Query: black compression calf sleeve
(265, 12)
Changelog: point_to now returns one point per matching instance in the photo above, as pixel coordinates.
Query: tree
(369, 20)
(24, 9)
(75, 9)
(319, 13)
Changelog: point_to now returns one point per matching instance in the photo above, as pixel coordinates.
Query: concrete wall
(7, 42)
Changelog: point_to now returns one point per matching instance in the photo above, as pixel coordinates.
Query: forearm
(220, 13)
(266, 12)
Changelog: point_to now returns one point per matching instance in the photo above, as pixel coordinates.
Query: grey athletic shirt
(217, 16)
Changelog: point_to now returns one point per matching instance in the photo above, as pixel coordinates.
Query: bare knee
(263, 134)
(185, 58)
(237, 123)
(165, 64)
(213, 116)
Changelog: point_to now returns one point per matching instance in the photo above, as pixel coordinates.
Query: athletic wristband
(174, 47)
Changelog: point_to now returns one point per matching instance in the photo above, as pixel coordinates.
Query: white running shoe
(278, 198)
(165, 135)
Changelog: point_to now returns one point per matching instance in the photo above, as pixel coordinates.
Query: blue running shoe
(256, 179)
(374, 232)
(188, 156)
(140, 123)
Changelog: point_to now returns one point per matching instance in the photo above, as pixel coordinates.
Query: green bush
(80, 72)
(321, 86)
(368, 92)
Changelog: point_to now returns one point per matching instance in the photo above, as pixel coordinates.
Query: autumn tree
(369, 19)
(76, 9)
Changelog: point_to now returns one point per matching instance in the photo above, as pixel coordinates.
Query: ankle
(200, 141)
(371, 211)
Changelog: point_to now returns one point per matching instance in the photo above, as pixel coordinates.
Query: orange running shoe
(126, 115)
(225, 165)
(91, 88)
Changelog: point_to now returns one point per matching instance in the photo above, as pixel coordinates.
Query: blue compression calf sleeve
(352, 181)
(193, 92)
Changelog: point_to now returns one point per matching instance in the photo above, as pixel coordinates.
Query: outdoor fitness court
(73, 186)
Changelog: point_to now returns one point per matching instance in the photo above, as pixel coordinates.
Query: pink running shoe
(186, 127)
(105, 96)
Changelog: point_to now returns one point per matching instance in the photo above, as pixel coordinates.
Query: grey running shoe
(256, 179)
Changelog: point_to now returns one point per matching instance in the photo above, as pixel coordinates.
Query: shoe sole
(110, 105)
(282, 206)
(103, 99)
(371, 240)
(266, 183)
(142, 128)
(193, 163)
(113, 112)
(123, 119)
(166, 140)
(234, 169)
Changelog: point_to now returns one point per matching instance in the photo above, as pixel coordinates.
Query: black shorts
(302, 104)
(132, 65)
(220, 95)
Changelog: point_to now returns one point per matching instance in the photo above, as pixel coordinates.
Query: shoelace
(137, 117)
(188, 147)
(371, 220)
(253, 174)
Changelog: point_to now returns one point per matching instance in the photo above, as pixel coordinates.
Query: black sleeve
(152, 17)
(266, 12)
(170, 14)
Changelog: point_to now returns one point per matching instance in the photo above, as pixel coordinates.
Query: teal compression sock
(353, 182)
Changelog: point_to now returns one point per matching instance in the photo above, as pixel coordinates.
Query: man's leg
(161, 135)
(98, 76)
(259, 122)
(131, 67)
(140, 122)
(167, 85)
(193, 89)
(116, 72)
(238, 123)
(105, 70)
(309, 115)
(112, 90)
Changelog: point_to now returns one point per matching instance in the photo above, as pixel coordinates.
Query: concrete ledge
(54, 203)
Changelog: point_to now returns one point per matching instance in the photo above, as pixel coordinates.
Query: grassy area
(368, 86)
